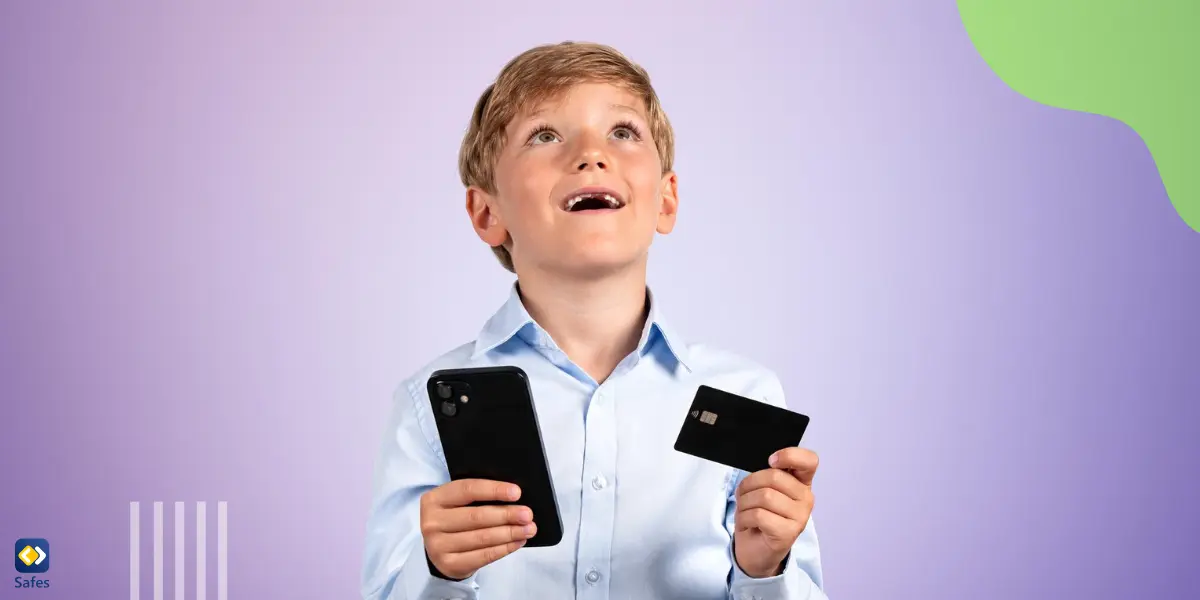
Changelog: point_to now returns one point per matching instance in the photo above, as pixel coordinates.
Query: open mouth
(593, 199)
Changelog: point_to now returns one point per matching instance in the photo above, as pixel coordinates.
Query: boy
(567, 165)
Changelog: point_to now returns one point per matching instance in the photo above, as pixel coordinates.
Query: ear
(485, 220)
(669, 207)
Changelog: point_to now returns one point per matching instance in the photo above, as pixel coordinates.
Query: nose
(598, 163)
(592, 154)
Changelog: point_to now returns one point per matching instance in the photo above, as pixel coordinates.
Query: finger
(468, 541)
(764, 520)
(466, 491)
(802, 463)
(469, 562)
(776, 479)
(774, 501)
(470, 518)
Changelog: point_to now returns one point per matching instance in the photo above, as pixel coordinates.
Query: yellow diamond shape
(27, 555)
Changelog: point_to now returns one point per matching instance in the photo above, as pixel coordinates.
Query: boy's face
(593, 141)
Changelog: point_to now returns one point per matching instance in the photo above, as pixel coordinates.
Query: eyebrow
(620, 107)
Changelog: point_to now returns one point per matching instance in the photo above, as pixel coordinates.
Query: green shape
(1137, 61)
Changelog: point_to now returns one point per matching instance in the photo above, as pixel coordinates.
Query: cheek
(523, 193)
(644, 173)
(646, 188)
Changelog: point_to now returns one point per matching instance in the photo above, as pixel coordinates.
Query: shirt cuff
(442, 587)
(445, 589)
(784, 586)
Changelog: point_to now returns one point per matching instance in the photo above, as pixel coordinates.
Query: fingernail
(530, 529)
(525, 516)
(514, 492)
(773, 460)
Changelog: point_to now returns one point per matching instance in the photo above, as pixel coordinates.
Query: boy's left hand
(773, 506)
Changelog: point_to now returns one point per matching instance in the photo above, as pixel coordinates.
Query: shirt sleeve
(801, 578)
(395, 566)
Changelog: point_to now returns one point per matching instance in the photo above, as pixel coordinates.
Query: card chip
(708, 418)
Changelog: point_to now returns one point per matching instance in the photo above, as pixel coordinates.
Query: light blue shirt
(640, 520)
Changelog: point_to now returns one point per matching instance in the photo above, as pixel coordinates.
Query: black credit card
(737, 431)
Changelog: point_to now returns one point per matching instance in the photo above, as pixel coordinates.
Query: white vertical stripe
(201, 551)
(179, 551)
(134, 551)
(222, 551)
(158, 551)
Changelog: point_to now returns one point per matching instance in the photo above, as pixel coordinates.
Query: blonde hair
(535, 76)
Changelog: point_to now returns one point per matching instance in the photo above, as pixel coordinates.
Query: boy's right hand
(461, 539)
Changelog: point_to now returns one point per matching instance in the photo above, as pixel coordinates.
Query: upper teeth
(609, 198)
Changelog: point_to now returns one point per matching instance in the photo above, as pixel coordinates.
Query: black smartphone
(736, 431)
(489, 430)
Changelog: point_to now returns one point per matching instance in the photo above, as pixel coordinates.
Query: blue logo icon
(32, 555)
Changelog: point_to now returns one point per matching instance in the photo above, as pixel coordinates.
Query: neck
(597, 322)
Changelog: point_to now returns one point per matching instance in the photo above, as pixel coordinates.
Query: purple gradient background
(217, 219)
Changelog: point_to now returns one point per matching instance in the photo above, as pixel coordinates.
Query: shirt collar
(512, 320)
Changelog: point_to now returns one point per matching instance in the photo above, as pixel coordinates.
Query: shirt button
(593, 576)
(598, 482)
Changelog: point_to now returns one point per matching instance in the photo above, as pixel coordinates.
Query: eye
(543, 135)
(627, 132)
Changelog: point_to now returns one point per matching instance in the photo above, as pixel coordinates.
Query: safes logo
(31, 555)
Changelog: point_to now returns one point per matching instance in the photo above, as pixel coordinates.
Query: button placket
(598, 505)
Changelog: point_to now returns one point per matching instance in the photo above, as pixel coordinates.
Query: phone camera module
(444, 391)
(449, 409)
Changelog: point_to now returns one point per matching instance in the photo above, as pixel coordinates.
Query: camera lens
(444, 391)
(449, 409)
